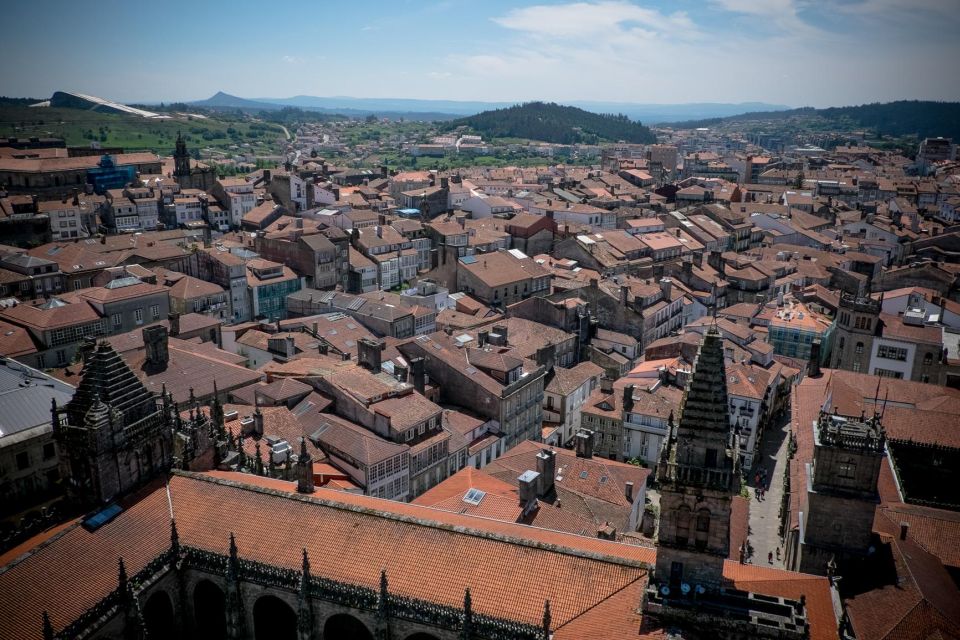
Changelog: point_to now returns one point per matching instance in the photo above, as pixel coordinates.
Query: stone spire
(304, 469)
(304, 603)
(705, 398)
(107, 378)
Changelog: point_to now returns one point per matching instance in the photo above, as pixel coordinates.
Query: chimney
(546, 356)
(76, 197)
(502, 331)
(666, 286)
(904, 530)
(606, 384)
(482, 337)
(628, 398)
(379, 229)
(584, 443)
(814, 368)
(257, 422)
(174, 324)
(624, 290)
(529, 482)
(547, 468)
(266, 176)
(155, 341)
(417, 367)
(400, 372)
(628, 491)
(368, 354)
(323, 348)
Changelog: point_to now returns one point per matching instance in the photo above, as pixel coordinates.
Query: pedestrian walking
(778, 554)
(770, 557)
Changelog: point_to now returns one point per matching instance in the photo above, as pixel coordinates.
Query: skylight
(474, 496)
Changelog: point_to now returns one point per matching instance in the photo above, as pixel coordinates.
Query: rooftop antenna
(876, 398)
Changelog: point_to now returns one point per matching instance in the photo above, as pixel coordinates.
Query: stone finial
(305, 566)
(546, 620)
(47, 627)
(467, 630)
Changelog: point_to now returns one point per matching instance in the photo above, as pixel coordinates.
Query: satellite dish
(664, 590)
(685, 588)
(700, 589)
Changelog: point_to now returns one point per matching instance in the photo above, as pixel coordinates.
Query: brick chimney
(813, 369)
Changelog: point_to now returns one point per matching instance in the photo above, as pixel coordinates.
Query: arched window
(159, 617)
(345, 627)
(841, 343)
(859, 347)
(274, 619)
(209, 611)
(928, 359)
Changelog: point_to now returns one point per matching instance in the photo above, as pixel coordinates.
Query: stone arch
(209, 611)
(159, 617)
(343, 626)
(274, 619)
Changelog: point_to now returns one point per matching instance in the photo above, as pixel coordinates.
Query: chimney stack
(904, 530)
(418, 368)
(628, 491)
(155, 341)
(368, 354)
(257, 422)
(814, 367)
(624, 290)
(666, 286)
(529, 482)
(482, 337)
(584, 442)
(628, 398)
(322, 348)
(547, 468)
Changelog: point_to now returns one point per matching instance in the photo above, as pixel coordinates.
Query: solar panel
(474, 496)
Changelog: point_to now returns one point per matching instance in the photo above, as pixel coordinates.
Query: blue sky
(796, 52)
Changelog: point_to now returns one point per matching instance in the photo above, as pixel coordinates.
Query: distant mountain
(901, 118)
(227, 101)
(446, 109)
(657, 113)
(552, 122)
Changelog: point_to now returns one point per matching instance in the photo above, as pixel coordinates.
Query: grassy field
(79, 128)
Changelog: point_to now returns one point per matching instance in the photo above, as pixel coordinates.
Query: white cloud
(292, 59)
(584, 19)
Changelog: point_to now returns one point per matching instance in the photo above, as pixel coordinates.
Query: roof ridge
(465, 530)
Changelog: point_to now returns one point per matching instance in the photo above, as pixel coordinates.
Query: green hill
(922, 118)
(550, 122)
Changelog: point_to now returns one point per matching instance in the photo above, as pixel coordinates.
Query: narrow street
(765, 514)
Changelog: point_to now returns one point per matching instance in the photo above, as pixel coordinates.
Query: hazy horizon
(789, 52)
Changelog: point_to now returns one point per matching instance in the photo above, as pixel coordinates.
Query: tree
(798, 183)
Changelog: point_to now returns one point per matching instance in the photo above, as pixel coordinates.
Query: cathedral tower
(699, 476)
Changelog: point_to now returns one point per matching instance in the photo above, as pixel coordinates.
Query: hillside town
(710, 382)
